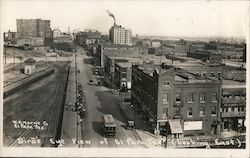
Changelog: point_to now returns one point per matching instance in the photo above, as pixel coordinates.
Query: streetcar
(108, 125)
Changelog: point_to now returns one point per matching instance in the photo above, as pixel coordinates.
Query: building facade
(233, 107)
(33, 28)
(30, 66)
(176, 102)
(120, 36)
(56, 33)
(88, 37)
(10, 37)
(123, 75)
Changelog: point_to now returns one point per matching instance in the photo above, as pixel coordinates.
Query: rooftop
(228, 84)
(124, 64)
(181, 75)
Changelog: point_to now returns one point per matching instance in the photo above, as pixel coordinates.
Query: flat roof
(124, 64)
(228, 84)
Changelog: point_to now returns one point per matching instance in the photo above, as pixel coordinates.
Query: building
(88, 37)
(123, 74)
(120, 36)
(233, 106)
(64, 42)
(56, 33)
(103, 50)
(176, 102)
(33, 28)
(30, 66)
(10, 37)
(30, 41)
(155, 44)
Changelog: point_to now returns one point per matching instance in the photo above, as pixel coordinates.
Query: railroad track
(9, 107)
(55, 111)
(30, 117)
(52, 111)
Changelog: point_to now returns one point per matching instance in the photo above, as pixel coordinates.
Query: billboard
(192, 125)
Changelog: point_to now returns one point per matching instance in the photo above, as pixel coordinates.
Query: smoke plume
(110, 14)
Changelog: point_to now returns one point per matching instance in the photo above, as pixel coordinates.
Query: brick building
(233, 106)
(103, 50)
(123, 74)
(175, 101)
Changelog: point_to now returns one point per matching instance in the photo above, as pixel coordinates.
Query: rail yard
(32, 113)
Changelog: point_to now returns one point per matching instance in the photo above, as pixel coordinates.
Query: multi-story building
(33, 28)
(233, 106)
(175, 101)
(10, 37)
(120, 36)
(88, 37)
(123, 74)
(56, 33)
(116, 51)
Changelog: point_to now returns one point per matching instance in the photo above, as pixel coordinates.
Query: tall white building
(120, 35)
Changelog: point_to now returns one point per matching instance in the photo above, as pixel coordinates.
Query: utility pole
(4, 50)
(14, 61)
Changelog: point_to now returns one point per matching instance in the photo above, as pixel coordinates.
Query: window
(202, 97)
(202, 113)
(219, 74)
(213, 110)
(164, 113)
(212, 74)
(166, 84)
(214, 97)
(236, 109)
(190, 112)
(177, 113)
(178, 97)
(190, 97)
(165, 98)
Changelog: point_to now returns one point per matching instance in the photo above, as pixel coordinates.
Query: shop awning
(175, 126)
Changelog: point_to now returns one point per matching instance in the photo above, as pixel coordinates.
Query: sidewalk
(69, 125)
(149, 139)
(152, 141)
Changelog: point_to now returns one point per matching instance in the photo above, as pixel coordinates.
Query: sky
(160, 18)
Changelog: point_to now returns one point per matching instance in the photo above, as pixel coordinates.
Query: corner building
(176, 102)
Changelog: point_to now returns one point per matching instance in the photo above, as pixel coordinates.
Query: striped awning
(175, 126)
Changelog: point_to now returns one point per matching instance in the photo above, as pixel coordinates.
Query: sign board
(128, 85)
(192, 125)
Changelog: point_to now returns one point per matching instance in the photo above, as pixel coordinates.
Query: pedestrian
(163, 141)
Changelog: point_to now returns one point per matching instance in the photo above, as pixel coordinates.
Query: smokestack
(112, 15)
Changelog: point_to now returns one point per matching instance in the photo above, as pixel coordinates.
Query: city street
(101, 101)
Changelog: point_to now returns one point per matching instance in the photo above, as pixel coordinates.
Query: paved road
(101, 101)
